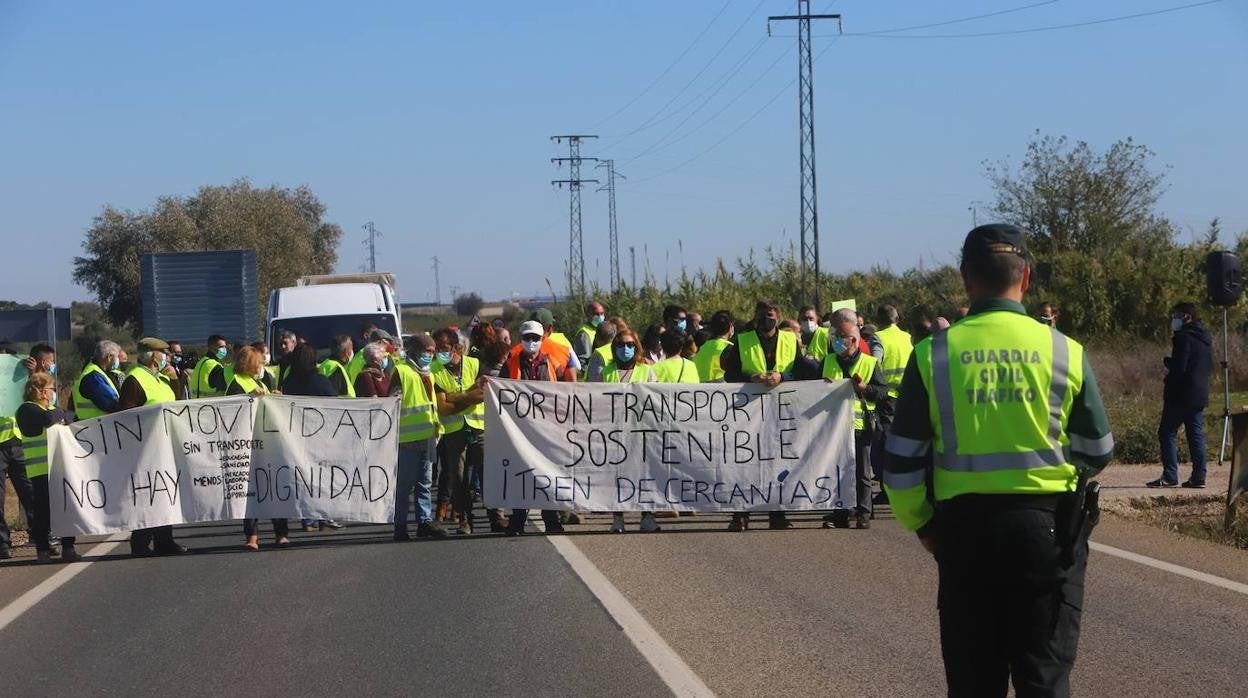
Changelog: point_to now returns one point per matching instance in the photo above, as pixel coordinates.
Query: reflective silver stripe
(1060, 377)
(894, 371)
(1092, 447)
(452, 420)
(942, 383)
(907, 448)
(415, 410)
(904, 481)
(990, 462)
(415, 428)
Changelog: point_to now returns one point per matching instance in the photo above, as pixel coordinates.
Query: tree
(467, 303)
(284, 226)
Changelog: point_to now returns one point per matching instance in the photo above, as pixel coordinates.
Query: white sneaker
(648, 523)
(617, 523)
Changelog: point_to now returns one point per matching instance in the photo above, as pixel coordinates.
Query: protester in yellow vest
(998, 425)
(601, 354)
(675, 368)
(12, 468)
(458, 384)
(845, 360)
(143, 386)
(762, 355)
(418, 438)
(209, 379)
(628, 366)
(709, 354)
(342, 353)
(94, 393)
(897, 344)
(583, 342)
(33, 418)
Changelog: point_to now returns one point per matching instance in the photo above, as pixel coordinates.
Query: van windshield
(320, 331)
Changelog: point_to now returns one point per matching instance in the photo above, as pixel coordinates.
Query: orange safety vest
(556, 360)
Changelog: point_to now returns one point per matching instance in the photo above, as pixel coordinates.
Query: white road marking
(1170, 567)
(662, 658)
(27, 601)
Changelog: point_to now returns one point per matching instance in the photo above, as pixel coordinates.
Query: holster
(1077, 514)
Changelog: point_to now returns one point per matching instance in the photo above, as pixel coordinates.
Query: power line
(647, 123)
(1032, 30)
(961, 19)
(669, 67)
(576, 250)
(613, 241)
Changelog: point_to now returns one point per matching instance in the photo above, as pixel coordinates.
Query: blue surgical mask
(839, 346)
(444, 357)
(52, 369)
(625, 354)
(385, 364)
(221, 353)
(424, 360)
(680, 325)
(164, 362)
(597, 320)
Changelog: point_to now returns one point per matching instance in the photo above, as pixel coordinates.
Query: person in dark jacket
(1185, 397)
(302, 376)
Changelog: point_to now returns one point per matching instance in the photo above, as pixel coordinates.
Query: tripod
(1226, 389)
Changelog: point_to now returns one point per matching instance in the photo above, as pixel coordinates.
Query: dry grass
(1196, 516)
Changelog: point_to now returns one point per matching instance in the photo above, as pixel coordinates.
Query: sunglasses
(627, 344)
(531, 337)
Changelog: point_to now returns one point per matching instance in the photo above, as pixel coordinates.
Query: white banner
(222, 459)
(652, 446)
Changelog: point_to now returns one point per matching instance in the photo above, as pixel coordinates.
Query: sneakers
(837, 519)
(401, 536)
(1193, 485)
(554, 527)
(648, 523)
(862, 520)
(465, 525)
(573, 518)
(740, 522)
(1161, 483)
(779, 523)
(617, 523)
(43, 557)
(330, 524)
(311, 527)
(70, 554)
(429, 529)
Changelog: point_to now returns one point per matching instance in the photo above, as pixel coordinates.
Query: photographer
(181, 365)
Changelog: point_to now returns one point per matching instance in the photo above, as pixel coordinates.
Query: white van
(323, 307)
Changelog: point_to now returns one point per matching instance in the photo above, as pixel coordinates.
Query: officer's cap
(994, 238)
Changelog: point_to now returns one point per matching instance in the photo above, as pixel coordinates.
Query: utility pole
(437, 283)
(632, 253)
(576, 251)
(371, 244)
(614, 236)
(808, 212)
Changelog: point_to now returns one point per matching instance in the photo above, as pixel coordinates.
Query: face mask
(680, 325)
(597, 320)
(268, 358)
(221, 353)
(402, 353)
(385, 364)
(531, 346)
(424, 360)
(164, 363)
(809, 325)
(115, 365)
(444, 357)
(53, 400)
(839, 345)
(765, 324)
(1046, 319)
(1176, 324)
(625, 354)
(52, 369)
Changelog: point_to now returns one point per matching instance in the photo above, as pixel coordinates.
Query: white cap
(532, 327)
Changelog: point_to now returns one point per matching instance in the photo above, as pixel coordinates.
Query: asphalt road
(803, 612)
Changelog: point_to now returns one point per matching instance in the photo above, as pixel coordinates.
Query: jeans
(415, 471)
(1193, 422)
(13, 466)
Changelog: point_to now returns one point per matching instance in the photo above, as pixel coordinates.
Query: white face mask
(809, 325)
(1176, 324)
(532, 346)
(268, 359)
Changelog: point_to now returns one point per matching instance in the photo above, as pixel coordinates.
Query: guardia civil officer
(1011, 427)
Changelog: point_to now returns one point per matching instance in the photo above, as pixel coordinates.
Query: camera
(184, 362)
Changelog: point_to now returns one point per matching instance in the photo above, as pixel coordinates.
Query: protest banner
(222, 459)
(651, 446)
(13, 377)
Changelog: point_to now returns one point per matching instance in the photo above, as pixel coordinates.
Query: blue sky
(433, 120)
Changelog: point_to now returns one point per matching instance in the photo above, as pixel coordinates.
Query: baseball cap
(994, 238)
(542, 315)
(380, 336)
(153, 344)
(532, 327)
